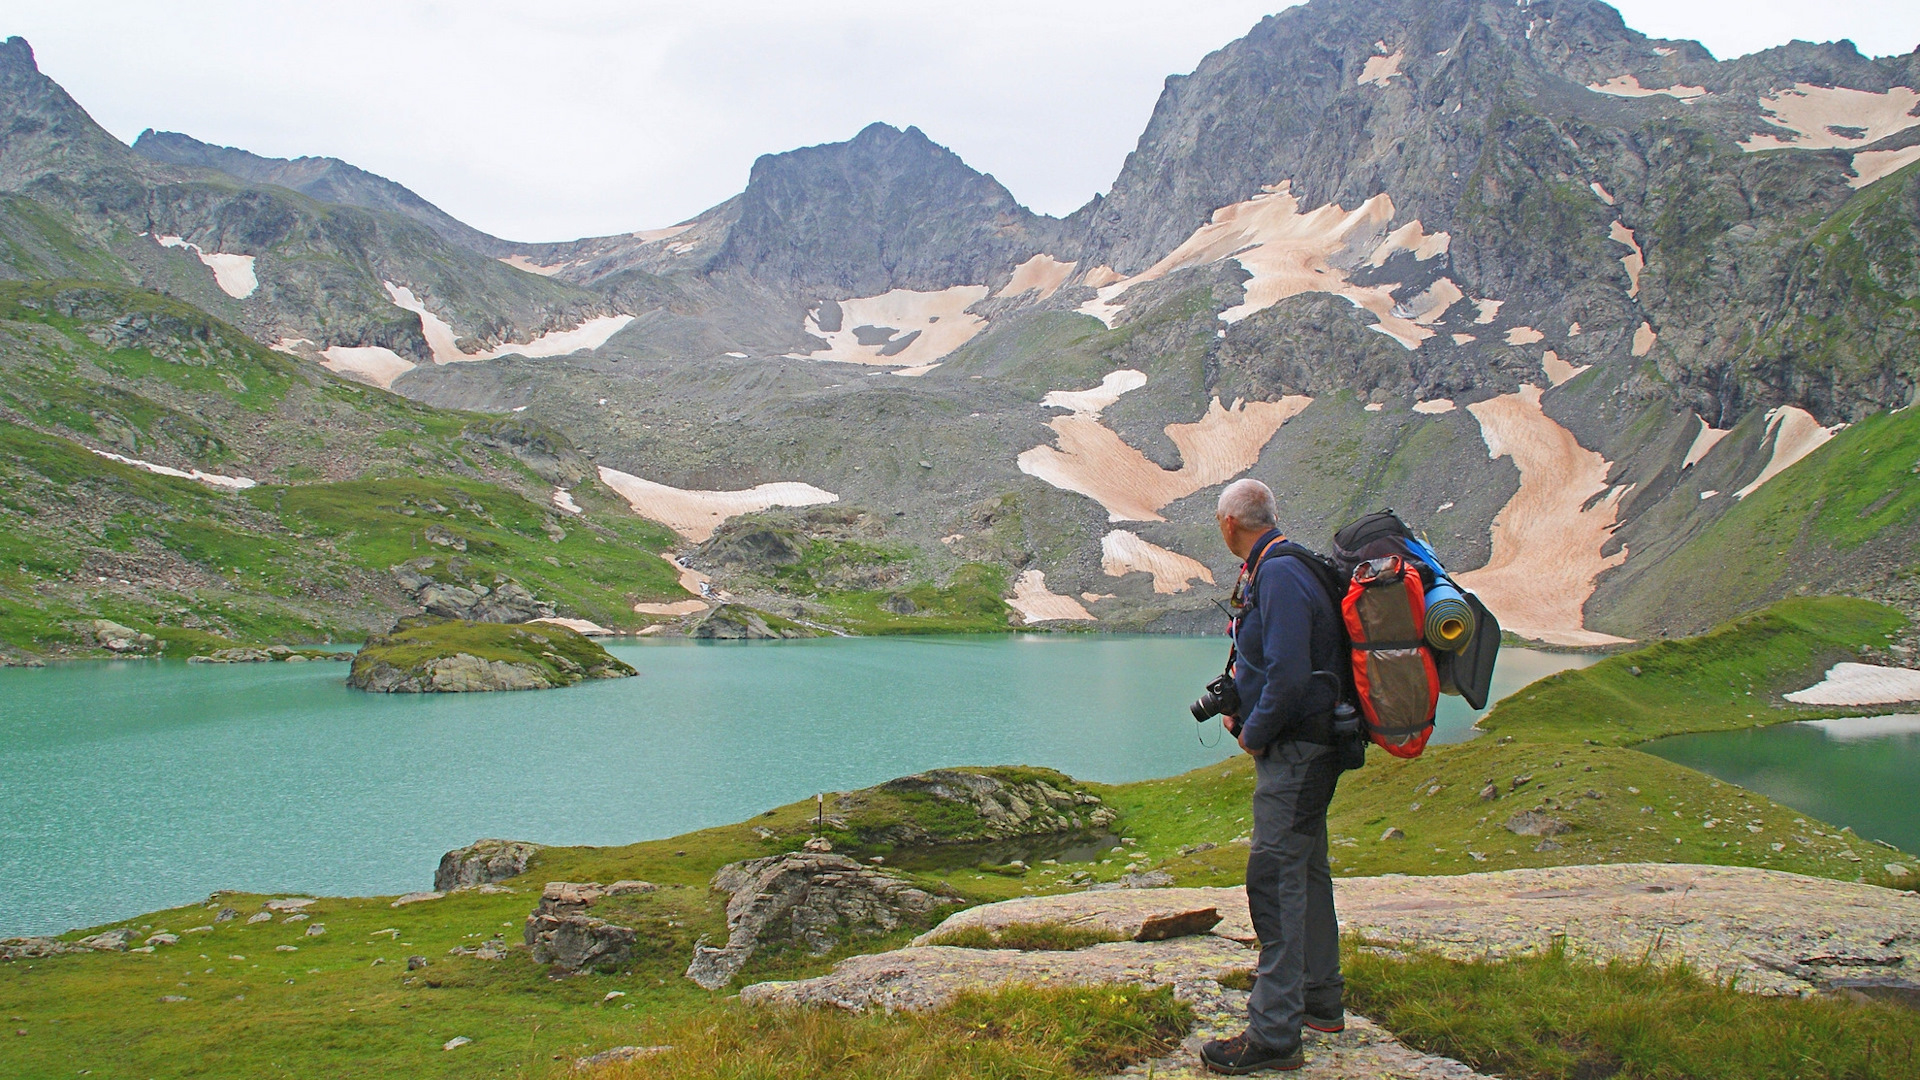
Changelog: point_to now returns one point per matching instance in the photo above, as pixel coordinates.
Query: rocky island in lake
(453, 657)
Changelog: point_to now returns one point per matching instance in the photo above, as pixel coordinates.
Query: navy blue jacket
(1288, 630)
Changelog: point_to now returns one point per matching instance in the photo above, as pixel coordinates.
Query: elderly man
(1285, 629)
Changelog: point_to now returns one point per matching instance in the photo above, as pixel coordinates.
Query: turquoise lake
(131, 786)
(1863, 771)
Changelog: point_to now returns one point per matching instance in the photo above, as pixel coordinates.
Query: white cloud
(583, 117)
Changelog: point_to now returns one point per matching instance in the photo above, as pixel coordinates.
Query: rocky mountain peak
(886, 209)
(43, 131)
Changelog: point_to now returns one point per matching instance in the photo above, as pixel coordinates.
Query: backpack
(1413, 632)
(1349, 738)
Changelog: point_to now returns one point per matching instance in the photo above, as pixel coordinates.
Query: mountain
(323, 179)
(1625, 329)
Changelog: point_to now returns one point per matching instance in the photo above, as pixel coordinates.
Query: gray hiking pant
(1290, 892)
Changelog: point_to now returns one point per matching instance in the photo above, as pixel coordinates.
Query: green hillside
(351, 482)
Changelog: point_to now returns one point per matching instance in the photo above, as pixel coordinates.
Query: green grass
(1730, 677)
(1550, 1016)
(1027, 937)
(353, 481)
(970, 602)
(1016, 1032)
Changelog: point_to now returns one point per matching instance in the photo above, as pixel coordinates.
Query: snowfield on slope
(1546, 540)
(696, 514)
(1091, 459)
(901, 328)
(1290, 252)
(444, 343)
(233, 273)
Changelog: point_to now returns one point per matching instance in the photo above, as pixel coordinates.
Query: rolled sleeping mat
(1450, 621)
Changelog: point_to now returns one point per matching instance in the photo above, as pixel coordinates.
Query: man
(1285, 629)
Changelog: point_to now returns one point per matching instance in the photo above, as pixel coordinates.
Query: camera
(1221, 697)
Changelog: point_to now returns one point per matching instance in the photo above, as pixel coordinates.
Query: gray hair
(1249, 502)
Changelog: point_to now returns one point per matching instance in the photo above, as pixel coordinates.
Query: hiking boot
(1240, 1055)
(1332, 1022)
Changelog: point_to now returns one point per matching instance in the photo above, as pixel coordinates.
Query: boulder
(481, 863)
(116, 638)
(110, 941)
(34, 948)
(1532, 823)
(561, 933)
(806, 899)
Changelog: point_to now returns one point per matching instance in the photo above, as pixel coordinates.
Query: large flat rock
(1769, 931)
(927, 977)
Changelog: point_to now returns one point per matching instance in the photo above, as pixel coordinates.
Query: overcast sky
(564, 118)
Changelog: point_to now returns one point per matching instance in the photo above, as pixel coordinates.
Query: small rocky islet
(460, 657)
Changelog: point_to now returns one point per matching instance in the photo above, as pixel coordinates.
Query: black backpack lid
(1358, 534)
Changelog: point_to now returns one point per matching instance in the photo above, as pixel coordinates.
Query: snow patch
(1605, 195)
(1463, 339)
(578, 626)
(696, 514)
(1489, 311)
(1643, 339)
(1036, 603)
(563, 499)
(1861, 684)
(1042, 274)
(1795, 434)
(1822, 117)
(1524, 335)
(375, 364)
(233, 273)
(521, 262)
(1634, 261)
(1547, 539)
(1558, 370)
(445, 347)
(901, 328)
(1091, 460)
(1091, 402)
(1871, 165)
(231, 483)
(1434, 407)
(1123, 553)
(676, 609)
(1628, 86)
(1381, 68)
(1703, 441)
(1411, 237)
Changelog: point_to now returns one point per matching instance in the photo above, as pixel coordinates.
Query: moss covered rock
(453, 657)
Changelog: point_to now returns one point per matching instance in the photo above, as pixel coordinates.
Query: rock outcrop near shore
(482, 862)
(810, 899)
(457, 657)
(1005, 803)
